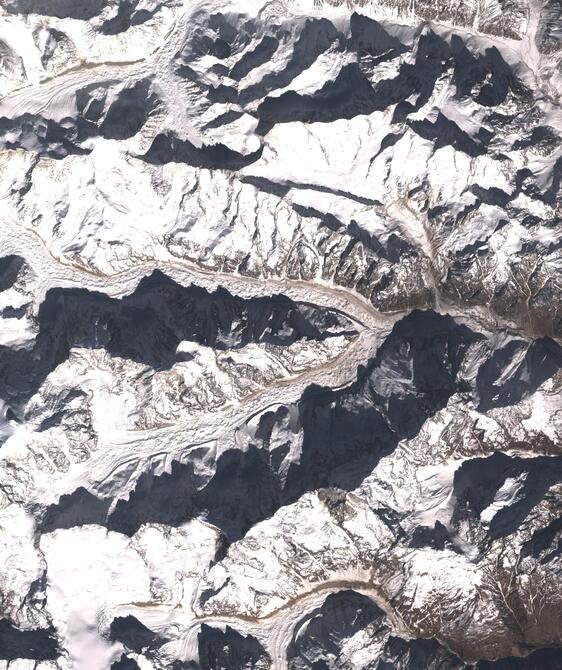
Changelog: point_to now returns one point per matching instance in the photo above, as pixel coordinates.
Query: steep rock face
(280, 321)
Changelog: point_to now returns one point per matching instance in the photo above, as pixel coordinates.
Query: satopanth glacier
(280, 335)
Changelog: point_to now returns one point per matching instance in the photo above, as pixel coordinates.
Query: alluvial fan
(280, 335)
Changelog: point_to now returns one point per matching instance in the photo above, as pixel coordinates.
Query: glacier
(280, 335)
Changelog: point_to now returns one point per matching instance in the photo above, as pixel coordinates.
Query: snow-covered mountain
(280, 335)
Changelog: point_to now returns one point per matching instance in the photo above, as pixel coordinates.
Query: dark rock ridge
(319, 643)
(10, 267)
(344, 435)
(148, 325)
(39, 645)
(486, 78)
(319, 639)
(127, 15)
(125, 663)
(45, 136)
(168, 149)
(129, 112)
(73, 9)
(477, 482)
(134, 635)
(96, 116)
(227, 650)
